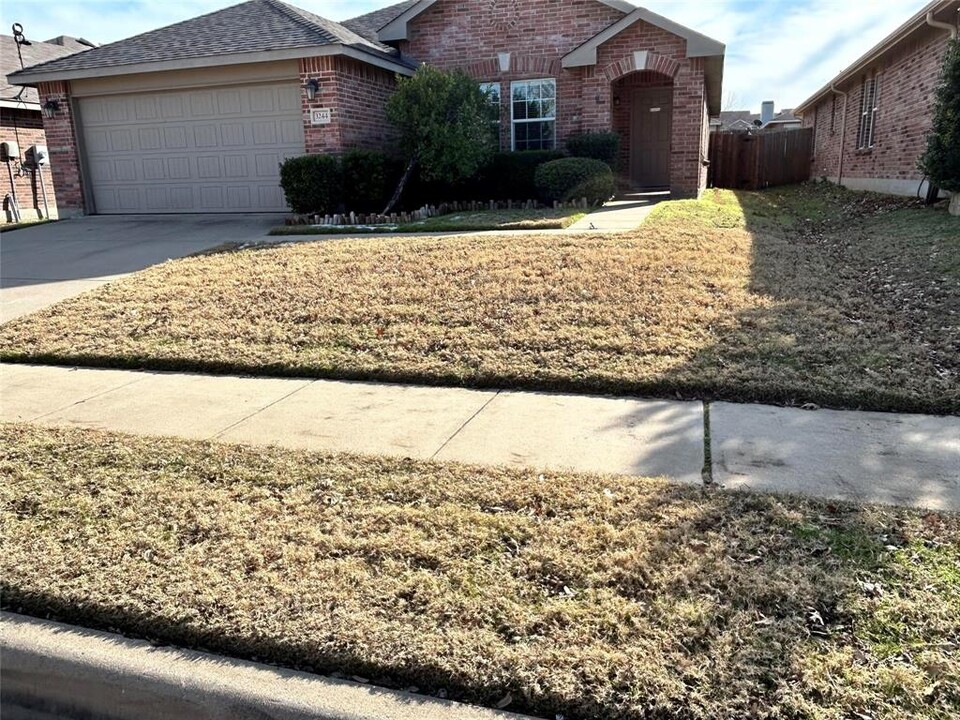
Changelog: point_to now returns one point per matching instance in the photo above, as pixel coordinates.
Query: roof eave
(915, 23)
(20, 105)
(26, 77)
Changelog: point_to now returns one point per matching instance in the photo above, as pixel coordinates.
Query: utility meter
(9, 151)
(38, 155)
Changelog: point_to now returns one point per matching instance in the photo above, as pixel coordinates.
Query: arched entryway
(643, 117)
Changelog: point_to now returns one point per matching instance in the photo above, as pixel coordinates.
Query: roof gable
(698, 45)
(396, 29)
(250, 31)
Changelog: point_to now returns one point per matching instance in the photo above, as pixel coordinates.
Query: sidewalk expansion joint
(465, 423)
(87, 399)
(231, 426)
(707, 471)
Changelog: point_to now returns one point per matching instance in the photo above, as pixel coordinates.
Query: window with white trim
(868, 112)
(533, 114)
(492, 91)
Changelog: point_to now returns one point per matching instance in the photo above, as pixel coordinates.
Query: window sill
(865, 151)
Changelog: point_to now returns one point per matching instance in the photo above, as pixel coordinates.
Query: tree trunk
(398, 193)
(955, 203)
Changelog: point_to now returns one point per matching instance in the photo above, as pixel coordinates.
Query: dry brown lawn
(801, 295)
(590, 596)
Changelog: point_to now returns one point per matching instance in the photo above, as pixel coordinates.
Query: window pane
(533, 110)
(548, 108)
(548, 89)
(520, 111)
(519, 92)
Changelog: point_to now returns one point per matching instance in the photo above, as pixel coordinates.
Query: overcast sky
(781, 50)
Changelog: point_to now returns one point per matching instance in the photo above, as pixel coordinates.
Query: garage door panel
(265, 132)
(233, 135)
(206, 136)
(288, 98)
(203, 150)
(238, 197)
(174, 137)
(208, 167)
(121, 140)
(202, 105)
(149, 138)
(229, 102)
(147, 108)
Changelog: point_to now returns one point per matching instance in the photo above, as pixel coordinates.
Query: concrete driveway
(48, 263)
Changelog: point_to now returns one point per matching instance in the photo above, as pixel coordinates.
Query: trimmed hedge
(362, 181)
(574, 178)
(512, 175)
(312, 183)
(603, 146)
(369, 179)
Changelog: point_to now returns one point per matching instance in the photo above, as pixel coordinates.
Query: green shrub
(312, 183)
(597, 189)
(941, 159)
(369, 178)
(604, 146)
(574, 178)
(512, 175)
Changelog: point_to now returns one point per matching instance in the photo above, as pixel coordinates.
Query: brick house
(871, 121)
(195, 117)
(21, 123)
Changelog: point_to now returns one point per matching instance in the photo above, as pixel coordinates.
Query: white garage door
(205, 150)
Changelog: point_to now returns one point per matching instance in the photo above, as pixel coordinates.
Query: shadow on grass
(859, 303)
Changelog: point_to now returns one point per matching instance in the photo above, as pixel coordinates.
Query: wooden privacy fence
(743, 161)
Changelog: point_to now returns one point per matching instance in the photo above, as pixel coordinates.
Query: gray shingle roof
(34, 53)
(367, 25)
(253, 26)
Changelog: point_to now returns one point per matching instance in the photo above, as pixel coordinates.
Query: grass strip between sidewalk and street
(590, 596)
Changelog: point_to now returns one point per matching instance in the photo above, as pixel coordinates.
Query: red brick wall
(62, 144)
(27, 125)
(907, 82)
(667, 57)
(466, 34)
(357, 93)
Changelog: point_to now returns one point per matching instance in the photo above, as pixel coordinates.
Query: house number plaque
(321, 116)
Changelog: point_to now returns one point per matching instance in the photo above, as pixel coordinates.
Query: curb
(56, 670)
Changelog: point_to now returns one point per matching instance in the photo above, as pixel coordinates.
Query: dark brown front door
(651, 123)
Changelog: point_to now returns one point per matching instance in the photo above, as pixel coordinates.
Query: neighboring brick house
(21, 124)
(195, 117)
(871, 121)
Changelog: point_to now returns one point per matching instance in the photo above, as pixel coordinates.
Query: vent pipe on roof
(766, 111)
(952, 29)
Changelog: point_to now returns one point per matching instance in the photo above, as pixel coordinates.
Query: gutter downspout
(952, 29)
(843, 132)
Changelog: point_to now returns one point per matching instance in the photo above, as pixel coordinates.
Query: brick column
(61, 133)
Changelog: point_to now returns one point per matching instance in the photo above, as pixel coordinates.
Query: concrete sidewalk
(624, 213)
(52, 670)
(911, 460)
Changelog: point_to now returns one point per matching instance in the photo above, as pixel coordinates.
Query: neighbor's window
(493, 97)
(533, 113)
(868, 112)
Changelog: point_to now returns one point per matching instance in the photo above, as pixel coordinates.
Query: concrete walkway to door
(627, 211)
